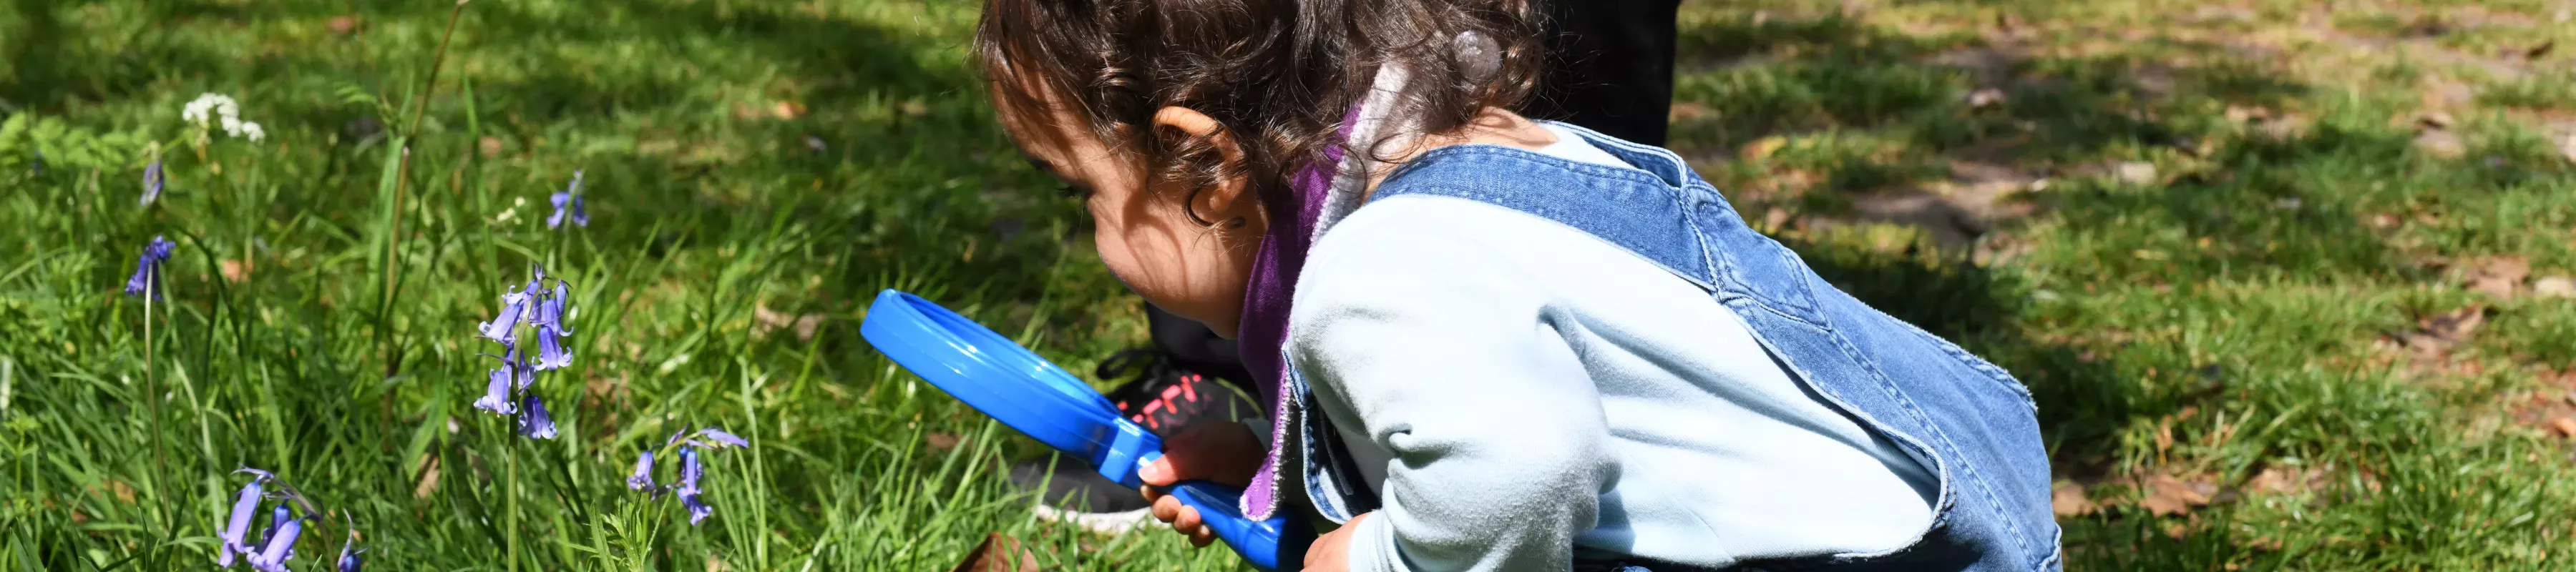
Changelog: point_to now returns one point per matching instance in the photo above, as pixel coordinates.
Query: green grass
(2216, 322)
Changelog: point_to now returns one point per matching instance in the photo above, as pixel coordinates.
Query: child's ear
(1229, 203)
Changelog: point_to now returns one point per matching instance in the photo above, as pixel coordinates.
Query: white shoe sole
(1101, 522)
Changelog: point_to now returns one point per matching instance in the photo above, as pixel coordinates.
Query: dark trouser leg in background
(1610, 67)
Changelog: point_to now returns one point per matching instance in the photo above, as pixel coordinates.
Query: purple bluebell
(496, 396)
(550, 351)
(723, 439)
(152, 180)
(571, 197)
(533, 421)
(552, 309)
(690, 471)
(504, 327)
(273, 556)
(245, 506)
(348, 560)
(698, 509)
(147, 270)
(643, 477)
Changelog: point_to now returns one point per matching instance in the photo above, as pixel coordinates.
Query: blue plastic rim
(1033, 396)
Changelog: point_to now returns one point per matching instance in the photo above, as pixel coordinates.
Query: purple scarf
(1263, 329)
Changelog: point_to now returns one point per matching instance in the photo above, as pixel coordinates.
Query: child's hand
(1222, 452)
(1332, 552)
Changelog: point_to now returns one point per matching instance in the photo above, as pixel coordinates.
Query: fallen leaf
(1762, 148)
(2499, 276)
(1984, 98)
(996, 553)
(914, 108)
(2455, 326)
(2168, 496)
(2135, 172)
(343, 25)
(2539, 51)
(2441, 144)
(2554, 287)
(2567, 148)
(715, 564)
(940, 441)
(428, 477)
(787, 109)
(491, 146)
(2069, 500)
(765, 320)
(2565, 426)
(2434, 120)
(1690, 111)
(234, 271)
(2280, 480)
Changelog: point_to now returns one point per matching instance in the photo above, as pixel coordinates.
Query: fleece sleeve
(1451, 361)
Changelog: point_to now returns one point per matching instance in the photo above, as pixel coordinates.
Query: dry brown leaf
(2281, 480)
(2539, 51)
(234, 271)
(2069, 500)
(1985, 97)
(2168, 496)
(1762, 148)
(344, 25)
(428, 477)
(941, 441)
(1690, 111)
(914, 108)
(764, 321)
(2455, 327)
(2135, 172)
(2565, 426)
(2441, 143)
(996, 554)
(2554, 287)
(787, 110)
(2499, 276)
(490, 146)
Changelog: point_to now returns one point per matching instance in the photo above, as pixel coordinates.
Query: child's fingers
(1167, 509)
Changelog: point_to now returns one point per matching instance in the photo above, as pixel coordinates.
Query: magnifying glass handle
(1274, 545)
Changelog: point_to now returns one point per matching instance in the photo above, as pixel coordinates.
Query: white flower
(213, 110)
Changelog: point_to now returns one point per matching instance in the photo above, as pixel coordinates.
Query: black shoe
(1163, 397)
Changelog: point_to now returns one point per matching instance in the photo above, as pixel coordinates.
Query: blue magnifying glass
(1038, 399)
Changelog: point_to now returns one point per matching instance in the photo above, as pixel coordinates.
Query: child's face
(1145, 237)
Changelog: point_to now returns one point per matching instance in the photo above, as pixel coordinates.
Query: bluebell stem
(147, 270)
(273, 557)
(643, 477)
(571, 197)
(533, 421)
(245, 506)
(152, 180)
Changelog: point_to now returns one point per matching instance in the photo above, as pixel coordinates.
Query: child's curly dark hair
(1279, 76)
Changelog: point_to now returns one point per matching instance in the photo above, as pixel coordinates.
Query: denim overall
(1966, 421)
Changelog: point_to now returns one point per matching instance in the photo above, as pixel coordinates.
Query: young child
(1492, 343)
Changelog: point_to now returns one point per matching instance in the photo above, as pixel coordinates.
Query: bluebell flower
(571, 197)
(496, 397)
(551, 309)
(273, 556)
(550, 351)
(533, 421)
(152, 180)
(277, 519)
(723, 439)
(698, 509)
(643, 477)
(690, 471)
(147, 270)
(349, 559)
(504, 327)
(245, 506)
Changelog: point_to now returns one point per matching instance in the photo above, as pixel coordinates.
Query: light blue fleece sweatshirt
(1512, 388)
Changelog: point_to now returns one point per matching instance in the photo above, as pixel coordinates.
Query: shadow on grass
(1875, 112)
